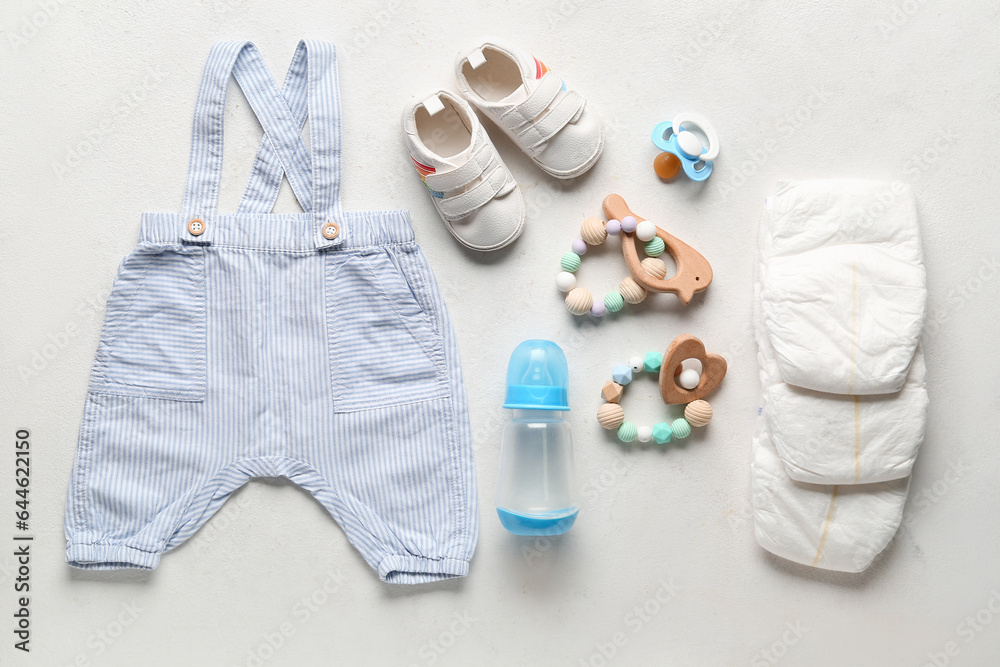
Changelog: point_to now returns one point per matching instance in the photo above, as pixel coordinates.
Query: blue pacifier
(686, 147)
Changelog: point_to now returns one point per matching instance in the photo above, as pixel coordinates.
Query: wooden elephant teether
(694, 273)
(713, 369)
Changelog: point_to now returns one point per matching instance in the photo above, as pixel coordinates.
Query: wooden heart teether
(697, 413)
(713, 369)
(693, 275)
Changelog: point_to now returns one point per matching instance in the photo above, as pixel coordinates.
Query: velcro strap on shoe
(459, 177)
(548, 89)
(459, 206)
(565, 111)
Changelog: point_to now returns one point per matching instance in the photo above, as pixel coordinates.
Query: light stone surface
(661, 567)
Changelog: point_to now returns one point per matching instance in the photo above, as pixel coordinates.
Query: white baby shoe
(553, 125)
(469, 184)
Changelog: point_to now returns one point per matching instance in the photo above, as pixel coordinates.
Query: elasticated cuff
(110, 557)
(415, 570)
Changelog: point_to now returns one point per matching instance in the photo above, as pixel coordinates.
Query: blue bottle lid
(537, 375)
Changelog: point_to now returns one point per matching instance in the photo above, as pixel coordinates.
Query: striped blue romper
(313, 346)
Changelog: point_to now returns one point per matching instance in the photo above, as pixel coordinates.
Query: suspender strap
(311, 89)
(265, 180)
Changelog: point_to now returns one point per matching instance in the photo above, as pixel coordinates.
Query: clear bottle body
(536, 484)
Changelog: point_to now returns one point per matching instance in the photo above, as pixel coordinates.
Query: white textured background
(96, 109)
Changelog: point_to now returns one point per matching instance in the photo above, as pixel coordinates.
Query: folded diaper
(842, 439)
(842, 284)
(839, 306)
(834, 527)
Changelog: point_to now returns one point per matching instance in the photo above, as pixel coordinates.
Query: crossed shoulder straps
(310, 90)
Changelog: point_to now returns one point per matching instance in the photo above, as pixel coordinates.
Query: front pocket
(384, 346)
(154, 336)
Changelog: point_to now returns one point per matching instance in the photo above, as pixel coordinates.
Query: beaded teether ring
(678, 384)
(611, 415)
(595, 232)
(694, 273)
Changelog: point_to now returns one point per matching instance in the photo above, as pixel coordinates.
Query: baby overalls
(313, 346)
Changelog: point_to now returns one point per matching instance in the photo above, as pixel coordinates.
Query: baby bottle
(536, 485)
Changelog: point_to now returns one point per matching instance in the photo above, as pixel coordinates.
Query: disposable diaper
(834, 527)
(839, 298)
(843, 285)
(840, 439)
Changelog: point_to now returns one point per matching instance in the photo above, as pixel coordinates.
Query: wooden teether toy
(698, 413)
(694, 273)
(713, 369)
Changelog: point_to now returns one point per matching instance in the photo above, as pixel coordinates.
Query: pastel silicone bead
(644, 434)
(610, 415)
(613, 227)
(662, 433)
(698, 413)
(636, 364)
(654, 247)
(614, 301)
(593, 232)
(655, 267)
(652, 362)
(570, 262)
(629, 223)
(646, 231)
(579, 301)
(689, 378)
(666, 165)
(680, 428)
(565, 281)
(622, 374)
(598, 309)
(632, 291)
(579, 246)
(612, 391)
(627, 432)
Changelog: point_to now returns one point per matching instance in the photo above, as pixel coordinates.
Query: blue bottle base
(547, 523)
